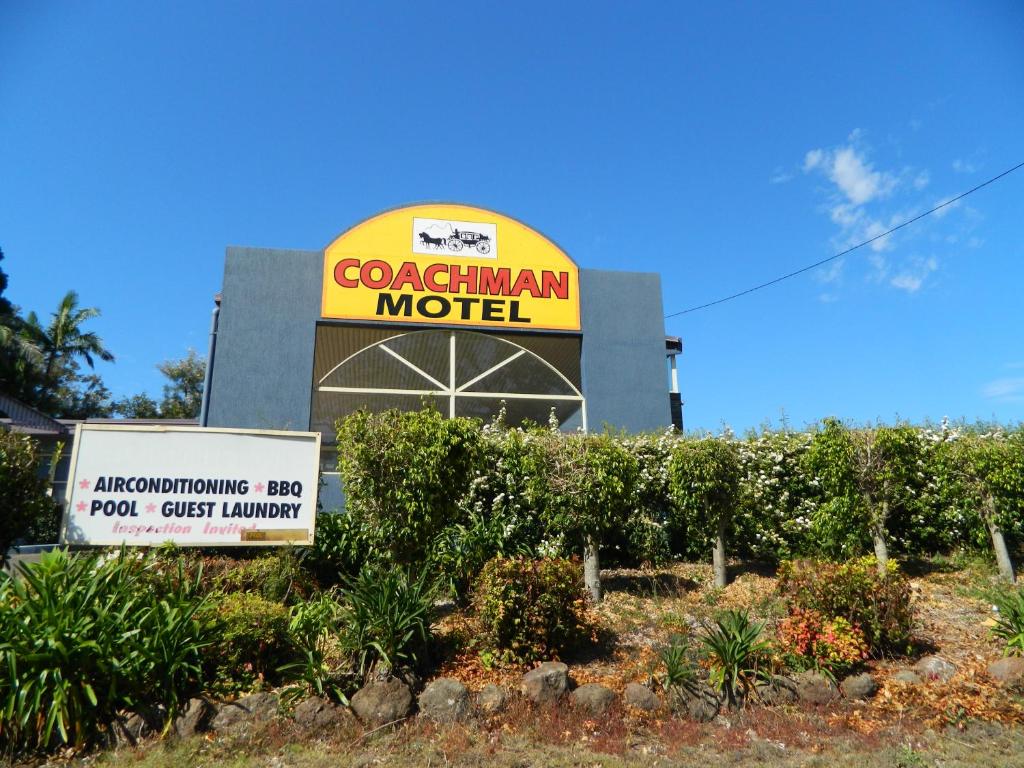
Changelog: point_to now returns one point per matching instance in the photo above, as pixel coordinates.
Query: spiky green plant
(678, 668)
(313, 628)
(82, 637)
(1009, 626)
(736, 652)
(385, 618)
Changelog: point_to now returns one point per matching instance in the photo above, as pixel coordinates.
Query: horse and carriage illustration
(457, 240)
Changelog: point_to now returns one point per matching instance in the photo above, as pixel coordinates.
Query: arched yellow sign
(450, 265)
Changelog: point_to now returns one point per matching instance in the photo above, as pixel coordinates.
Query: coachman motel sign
(450, 265)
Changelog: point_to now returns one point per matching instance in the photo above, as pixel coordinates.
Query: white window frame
(450, 390)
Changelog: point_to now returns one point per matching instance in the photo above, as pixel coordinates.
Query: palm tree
(63, 341)
(16, 344)
(16, 348)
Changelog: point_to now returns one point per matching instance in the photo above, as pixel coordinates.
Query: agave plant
(736, 652)
(678, 669)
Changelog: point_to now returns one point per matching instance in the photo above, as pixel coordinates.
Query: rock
(254, 709)
(907, 677)
(696, 701)
(862, 686)
(935, 668)
(129, 728)
(1009, 672)
(382, 701)
(548, 682)
(641, 697)
(492, 699)
(814, 688)
(593, 698)
(194, 718)
(777, 691)
(445, 700)
(316, 713)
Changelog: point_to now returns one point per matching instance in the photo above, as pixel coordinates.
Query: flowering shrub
(877, 604)
(976, 481)
(646, 534)
(530, 610)
(777, 496)
(809, 640)
(503, 486)
(455, 493)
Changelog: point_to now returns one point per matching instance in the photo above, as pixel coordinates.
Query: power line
(800, 271)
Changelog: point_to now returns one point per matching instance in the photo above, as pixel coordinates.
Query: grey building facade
(273, 347)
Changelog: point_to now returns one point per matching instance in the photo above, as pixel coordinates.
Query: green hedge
(457, 492)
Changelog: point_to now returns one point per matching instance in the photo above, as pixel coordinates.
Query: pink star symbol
(258, 487)
(151, 508)
(84, 485)
(80, 506)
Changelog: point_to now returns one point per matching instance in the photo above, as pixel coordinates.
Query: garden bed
(968, 719)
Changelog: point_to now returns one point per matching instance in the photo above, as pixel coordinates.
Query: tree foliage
(41, 362)
(64, 344)
(537, 492)
(405, 474)
(24, 499)
(583, 485)
(704, 478)
(182, 393)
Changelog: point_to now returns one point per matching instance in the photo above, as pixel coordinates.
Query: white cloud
(845, 215)
(830, 274)
(828, 298)
(874, 229)
(881, 266)
(911, 279)
(964, 166)
(814, 159)
(865, 199)
(1006, 389)
(780, 176)
(856, 177)
(943, 211)
(907, 282)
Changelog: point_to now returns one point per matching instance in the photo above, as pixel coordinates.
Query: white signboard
(194, 486)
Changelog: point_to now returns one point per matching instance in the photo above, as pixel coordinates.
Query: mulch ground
(643, 609)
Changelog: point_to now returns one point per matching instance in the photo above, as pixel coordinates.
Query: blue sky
(720, 144)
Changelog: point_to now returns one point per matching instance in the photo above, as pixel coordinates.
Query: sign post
(145, 485)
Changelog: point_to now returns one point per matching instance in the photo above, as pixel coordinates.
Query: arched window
(463, 373)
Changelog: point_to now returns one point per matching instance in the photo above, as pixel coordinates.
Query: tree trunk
(1003, 560)
(718, 554)
(592, 569)
(878, 538)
